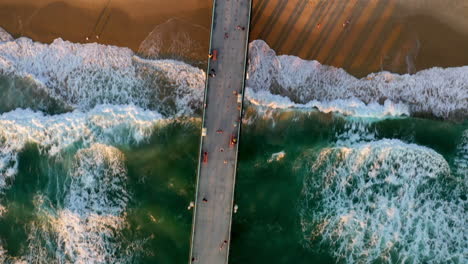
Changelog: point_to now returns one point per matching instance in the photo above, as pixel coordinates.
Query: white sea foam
(387, 202)
(3, 210)
(354, 132)
(85, 75)
(441, 92)
(87, 229)
(349, 107)
(3, 254)
(111, 124)
(5, 36)
(93, 212)
(277, 156)
(461, 159)
(98, 182)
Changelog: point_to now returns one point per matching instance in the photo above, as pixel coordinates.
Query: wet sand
(116, 22)
(364, 36)
(361, 36)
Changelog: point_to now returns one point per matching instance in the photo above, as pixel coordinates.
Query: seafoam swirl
(437, 91)
(88, 227)
(82, 76)
(385, 201)
(109, 124)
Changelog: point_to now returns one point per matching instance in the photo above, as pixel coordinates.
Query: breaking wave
(385, 201)
(75, 102)
(69, 76)
(290, 82)
(461, 159)
(5, 36)
(349, 107)
(109, 124)
(82, 76)
(87, 229)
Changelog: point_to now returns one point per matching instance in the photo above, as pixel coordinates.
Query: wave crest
(461, 158)
(5, 36)
(440, 92)
(85, 75)
(87, 229)
(104, 123)
(349, 107)
(385, 201)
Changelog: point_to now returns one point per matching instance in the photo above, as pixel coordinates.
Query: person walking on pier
(222, 245)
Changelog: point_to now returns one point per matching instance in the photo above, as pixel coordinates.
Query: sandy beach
(115, 22)
(364, 36)
(361, 36)
(114, 156)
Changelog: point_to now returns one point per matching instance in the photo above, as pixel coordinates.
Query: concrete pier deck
(221, 122)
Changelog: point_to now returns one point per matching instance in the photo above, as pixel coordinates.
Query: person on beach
(346, 23)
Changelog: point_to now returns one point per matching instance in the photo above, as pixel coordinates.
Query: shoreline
(110, 22)
(364, 37)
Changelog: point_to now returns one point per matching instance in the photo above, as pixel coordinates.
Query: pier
(214, 202)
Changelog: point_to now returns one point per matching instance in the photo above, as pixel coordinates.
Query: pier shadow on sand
(361, 36)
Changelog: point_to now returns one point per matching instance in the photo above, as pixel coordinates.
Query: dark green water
(160, 182)
(270, 195)
(94, 167)
(164, 182)
(160, 178)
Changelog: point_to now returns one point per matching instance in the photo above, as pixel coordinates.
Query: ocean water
(98, 158)
(88, 167)
(103, 203)
(323, 188)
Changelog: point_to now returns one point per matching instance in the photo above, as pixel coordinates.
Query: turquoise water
(156, 223)
(51, 207)
(99, 150)
(281, 204)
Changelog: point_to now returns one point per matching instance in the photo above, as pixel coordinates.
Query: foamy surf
(100, 96)
(108, 124)
(87, 228)
(82, 76)
(288, 81)
(461, 158)
(385, 201)
(277, 156)
(348, 107)
(5, 36)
